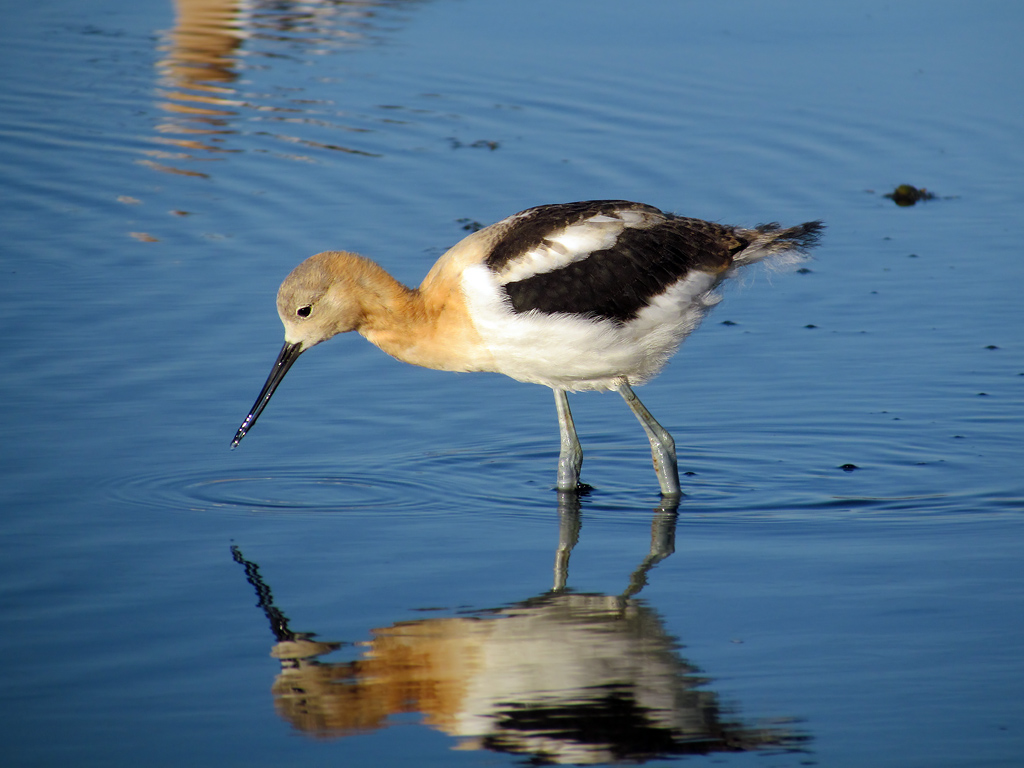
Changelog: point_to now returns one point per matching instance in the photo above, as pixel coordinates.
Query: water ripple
(280, 491)
(478, 479)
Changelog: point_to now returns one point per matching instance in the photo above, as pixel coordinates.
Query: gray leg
(570, 457)
(663, 447)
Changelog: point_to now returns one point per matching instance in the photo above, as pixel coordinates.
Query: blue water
(163, 166)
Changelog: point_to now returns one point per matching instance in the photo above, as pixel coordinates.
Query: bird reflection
(204, 54)
(561, 678)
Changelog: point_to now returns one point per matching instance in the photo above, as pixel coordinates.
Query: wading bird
(577, 296)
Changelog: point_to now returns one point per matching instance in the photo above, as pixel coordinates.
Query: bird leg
(570, 457)
(663, 447)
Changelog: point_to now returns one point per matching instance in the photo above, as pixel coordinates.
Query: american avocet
(578, 296)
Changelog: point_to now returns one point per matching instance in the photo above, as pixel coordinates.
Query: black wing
(619, 281)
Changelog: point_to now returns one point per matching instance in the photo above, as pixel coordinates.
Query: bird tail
(782, 246)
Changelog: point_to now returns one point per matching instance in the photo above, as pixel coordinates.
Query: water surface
(381, 573)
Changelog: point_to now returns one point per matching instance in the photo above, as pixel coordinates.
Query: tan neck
(426, 326)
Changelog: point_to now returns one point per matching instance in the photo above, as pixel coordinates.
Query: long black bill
(289, 354)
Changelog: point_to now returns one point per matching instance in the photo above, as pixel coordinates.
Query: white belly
(574, 352)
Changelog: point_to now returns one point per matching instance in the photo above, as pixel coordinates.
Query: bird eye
(304, 311)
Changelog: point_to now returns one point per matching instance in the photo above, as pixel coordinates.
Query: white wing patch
(573, 243)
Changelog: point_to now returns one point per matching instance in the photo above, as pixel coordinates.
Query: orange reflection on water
(199, 62)
(202, 57)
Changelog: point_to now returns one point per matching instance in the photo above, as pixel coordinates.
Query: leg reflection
(663, 539)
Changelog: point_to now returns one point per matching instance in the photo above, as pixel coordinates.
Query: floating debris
(848, 467)
(479, 144)
(907, 194)
(144, 237)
